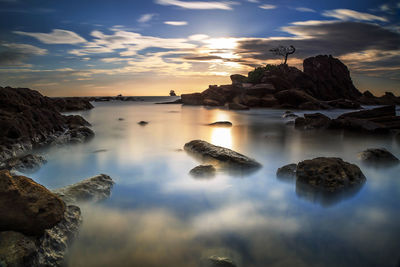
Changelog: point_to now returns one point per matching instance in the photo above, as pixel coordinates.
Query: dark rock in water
(203, 171)
(287, 172)
(53, 245)
(99, 151)
(221, 124)
(76, 121)
(215, 261)
(378, 157)
(25, 164)
(299, 99)
(192, 99)
(72, 104)
(178, 101)
(313, 121)
(26, 206)
(237, 106)
(238, 79)
(211, 102)
(344, 104)
(224, 156)
(289, 114)
(121, 119)
(17, 249)
(331, 78)
(95, 189)
(330, 174)
(359, 125)
(387, 111)
(143, 123)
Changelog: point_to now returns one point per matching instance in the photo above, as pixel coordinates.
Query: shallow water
(158, 215)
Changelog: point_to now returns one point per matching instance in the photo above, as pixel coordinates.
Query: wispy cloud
(15, 54)
(55, 37)
(305, 9)
(348, 14)
(267, 6)
(224, 5)
(176, 23)
(254, 1)
(146, 18)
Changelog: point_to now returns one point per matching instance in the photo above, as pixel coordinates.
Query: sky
(130, 47)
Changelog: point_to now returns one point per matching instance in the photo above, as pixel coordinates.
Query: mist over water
(159, 215)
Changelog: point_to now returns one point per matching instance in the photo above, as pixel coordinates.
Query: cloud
(176, 23)
(253, 1)
(347, 14)
(146, 18)
(305, 9)
(202, 5)
(14, 54)
(266, 6)
(55, 37)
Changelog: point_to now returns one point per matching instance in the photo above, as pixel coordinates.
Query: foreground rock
(26, 164)
(221, 155)
(378, 157)
(29, 119)
(221, 124)
(203, 171)
(72, 104)
(26, 206)
(94, 189)
(330, 174)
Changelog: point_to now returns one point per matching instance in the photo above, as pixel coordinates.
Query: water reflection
(221, 137)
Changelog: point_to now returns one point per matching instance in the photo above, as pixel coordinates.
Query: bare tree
(283, 51)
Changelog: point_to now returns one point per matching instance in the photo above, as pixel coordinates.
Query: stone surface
(378, 156)
(26, 164)
(26, 206)
(313, 121)
(216, 261)
(221, 124)
(236, 106)
(94, 189)
(330, 174)
(143, 123)
(72, 104)
(203, 171)
(287, 171)
(224, 156)
(17, 250)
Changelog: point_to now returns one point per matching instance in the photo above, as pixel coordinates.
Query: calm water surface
(158, 215)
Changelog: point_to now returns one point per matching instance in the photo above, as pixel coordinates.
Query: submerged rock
(313, 121)
(222, 155)
(203, 171)
(143, 123)
(378, 156)
(27, 206)
(221, 124)
(329, 174)
(26, 164)
(95, 189)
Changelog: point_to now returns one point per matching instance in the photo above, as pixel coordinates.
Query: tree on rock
(172, 93)
(283, 51)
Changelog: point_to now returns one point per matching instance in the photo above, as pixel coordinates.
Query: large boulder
(378, 157)
(26, 206)
(387, 111)
(331, 78)
(299, 99)
(330, 174)
(223, 156)
(313, 121)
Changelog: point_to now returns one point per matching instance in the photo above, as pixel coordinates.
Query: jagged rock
(387, 111)
(203, 171)
(143, 123)
(80, 135)
(298, 98)
(331, 78)
(313, 121)
(378, 156)
(237, 106)
(260, 90)
(222, 155)
(17, 249)
(211, 102)
(25, 164)
(72, 104)
(330, 174)
(94, 189)
(76, 121)
(287, 171)
(26, 206)
(238, 79)
(221, 124)
(344, 104)
(216, 261)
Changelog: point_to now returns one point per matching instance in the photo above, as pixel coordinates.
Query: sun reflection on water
(221, 137)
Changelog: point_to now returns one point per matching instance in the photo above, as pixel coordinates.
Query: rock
(143, 123)
(221, 124)
(192, 99)
(224, 156)
(287, 171)
(238, 79)
(359, 125)
(378, 157)
(330, 174)
(178, 101)
(94, 189)
(344, 104)
(76, 121)
(17, 249)
(25, 164)
(313, 121)
(297, 98)
(331, 78)
(203, 171)
(26, 206)
(237, 106)
(80, 135)
(211, 102)
(289, 114)
(387, 111)
(121, 119)
(172, 93)
(268, 101)
(72, 104)
(260, 90)
(215, 261)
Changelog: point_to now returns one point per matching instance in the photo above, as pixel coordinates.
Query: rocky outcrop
(26, 206)
(313, 121)
(287, 172)
(378, 157)
(71, 104)
(299, 99)
(330, 77)
(26, 164)
(203, 171)
(93, 189)
(217, 261)
(17, 249)
(221, 124)
(388, 98)
(223, 156)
